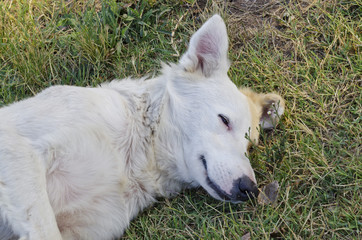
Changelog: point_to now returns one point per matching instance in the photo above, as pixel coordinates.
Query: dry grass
(308, 51)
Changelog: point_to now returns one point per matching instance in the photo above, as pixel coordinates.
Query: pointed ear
(266, 108)
(208, 47)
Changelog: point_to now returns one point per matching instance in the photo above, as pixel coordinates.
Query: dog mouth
(237, 195)
(222, 194)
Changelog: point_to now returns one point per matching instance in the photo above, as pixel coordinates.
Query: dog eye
(224, 119)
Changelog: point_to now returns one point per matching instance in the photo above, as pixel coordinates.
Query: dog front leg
(24, 201)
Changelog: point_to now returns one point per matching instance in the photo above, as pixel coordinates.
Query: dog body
(80, 163)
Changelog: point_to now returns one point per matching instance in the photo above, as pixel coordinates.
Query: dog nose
(246, 189)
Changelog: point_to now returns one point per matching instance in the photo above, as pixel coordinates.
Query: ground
(308, 51)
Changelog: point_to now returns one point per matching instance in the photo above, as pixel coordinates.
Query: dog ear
(208, 47)
(266, 108)
(273, 107)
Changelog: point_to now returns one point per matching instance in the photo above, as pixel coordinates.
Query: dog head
(215, 116)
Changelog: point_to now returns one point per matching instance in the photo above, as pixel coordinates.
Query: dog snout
(244, 189)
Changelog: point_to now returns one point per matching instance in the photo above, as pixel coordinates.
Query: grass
(308, 51)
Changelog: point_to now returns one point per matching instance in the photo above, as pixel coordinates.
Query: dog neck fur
(148, 100)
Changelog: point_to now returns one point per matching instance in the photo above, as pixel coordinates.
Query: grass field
(308, 51)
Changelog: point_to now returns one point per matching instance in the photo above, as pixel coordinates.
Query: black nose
(244, 189)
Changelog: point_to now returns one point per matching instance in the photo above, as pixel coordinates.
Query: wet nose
(245, 189)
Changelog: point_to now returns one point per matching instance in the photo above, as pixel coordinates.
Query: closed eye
(225, 120)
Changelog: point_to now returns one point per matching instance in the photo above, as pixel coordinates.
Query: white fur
(80, 163)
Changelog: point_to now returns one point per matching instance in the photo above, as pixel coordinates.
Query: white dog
(80, 163)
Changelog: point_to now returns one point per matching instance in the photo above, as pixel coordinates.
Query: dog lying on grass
(80, 163)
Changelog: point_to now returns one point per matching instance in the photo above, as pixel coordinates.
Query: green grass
(308, 51)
